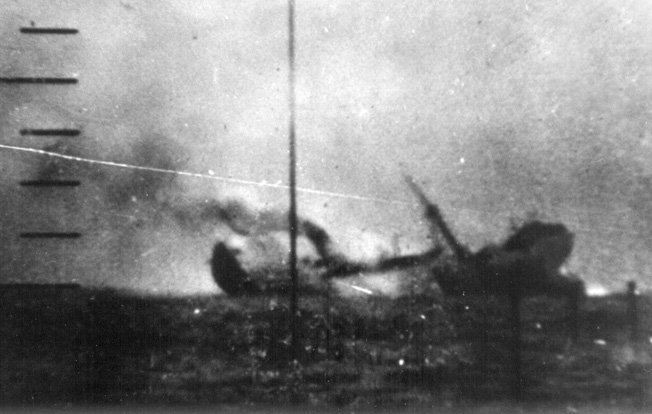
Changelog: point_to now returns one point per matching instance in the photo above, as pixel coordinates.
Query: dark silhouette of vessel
(529, 261)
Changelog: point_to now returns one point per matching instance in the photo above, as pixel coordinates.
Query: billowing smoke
(131, 185)
(322, 243)
(244, 220)
(236, 214)
(501, 111)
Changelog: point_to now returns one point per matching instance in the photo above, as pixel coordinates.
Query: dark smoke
(155, 151)
(322, 242)
(245, 221)
(121, 187)
(235, 214)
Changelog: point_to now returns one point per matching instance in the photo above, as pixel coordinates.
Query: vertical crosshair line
(293, 221)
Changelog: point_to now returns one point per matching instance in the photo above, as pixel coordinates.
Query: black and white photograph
(272, 206)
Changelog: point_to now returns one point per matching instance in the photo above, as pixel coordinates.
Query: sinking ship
(238, 269)
(530, 260)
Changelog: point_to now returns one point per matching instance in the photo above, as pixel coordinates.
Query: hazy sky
(500, 109)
